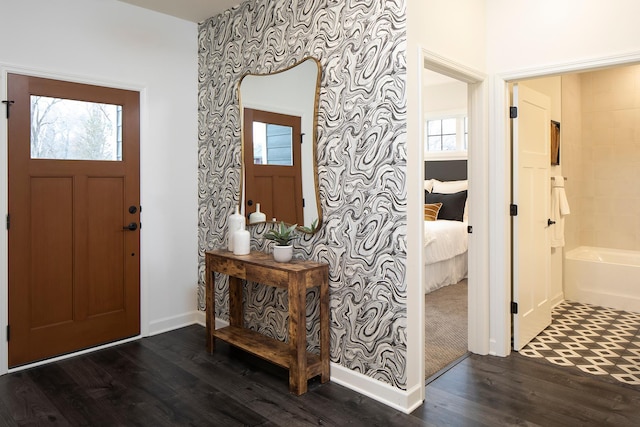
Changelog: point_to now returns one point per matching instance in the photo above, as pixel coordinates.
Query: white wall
(115, 44)
(430, 24)
(445, 98)
(454, 29)
(528, 34)
(527, 39)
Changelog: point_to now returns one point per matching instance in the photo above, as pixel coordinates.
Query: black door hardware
(131, 227)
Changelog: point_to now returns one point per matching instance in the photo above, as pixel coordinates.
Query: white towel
(559, 209)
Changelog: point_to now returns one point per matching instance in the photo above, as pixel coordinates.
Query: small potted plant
(282, 235)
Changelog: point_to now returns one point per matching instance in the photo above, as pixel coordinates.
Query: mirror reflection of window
(272, 144)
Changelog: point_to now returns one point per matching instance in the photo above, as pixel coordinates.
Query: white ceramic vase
(235, 223)
(283, 253)
(241, 242)
(257, 216)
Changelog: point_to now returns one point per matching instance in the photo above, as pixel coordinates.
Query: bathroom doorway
(597, 112)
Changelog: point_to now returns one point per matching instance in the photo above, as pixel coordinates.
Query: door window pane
(66, 129)
(272, 144)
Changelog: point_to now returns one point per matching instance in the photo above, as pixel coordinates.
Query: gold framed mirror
(279, 121)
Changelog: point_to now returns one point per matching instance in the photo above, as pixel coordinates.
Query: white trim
(478, 172)
(479, 336)
(414, 365)
(590, 64)
(201, 319)
(499, 222)
(478, 319)
(447, 67)
(500, 181)
(445, 155)
(402, 400)
(175, 322)
(4, 190)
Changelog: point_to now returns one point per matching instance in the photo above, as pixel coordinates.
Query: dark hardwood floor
(170, 380)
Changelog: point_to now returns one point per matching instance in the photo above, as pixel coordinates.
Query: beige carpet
(446, 326)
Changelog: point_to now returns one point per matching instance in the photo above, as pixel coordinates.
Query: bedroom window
(446, 137)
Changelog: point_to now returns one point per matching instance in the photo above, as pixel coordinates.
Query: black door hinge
(513, 112)
(514, 307)
(8, 332)
(8, 222)
(8, 104)
(301, 138)
(469, 229)
(513, 210)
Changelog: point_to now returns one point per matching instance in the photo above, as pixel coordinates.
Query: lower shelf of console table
(296, 277)
(276, 352)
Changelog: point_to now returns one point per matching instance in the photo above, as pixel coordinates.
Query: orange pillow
(431, 211)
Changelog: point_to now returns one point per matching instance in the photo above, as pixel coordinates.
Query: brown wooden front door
(74, 270)
(273, 173)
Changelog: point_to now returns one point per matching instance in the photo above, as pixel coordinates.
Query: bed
(445, 253)
(445, 233)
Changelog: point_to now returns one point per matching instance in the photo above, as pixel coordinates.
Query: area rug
(445, 327)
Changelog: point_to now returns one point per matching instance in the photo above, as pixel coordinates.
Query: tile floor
(596, 340)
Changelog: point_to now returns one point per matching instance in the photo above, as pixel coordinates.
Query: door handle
(131, 227)
(550, 222)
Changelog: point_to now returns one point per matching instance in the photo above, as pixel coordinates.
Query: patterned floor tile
(597, 340)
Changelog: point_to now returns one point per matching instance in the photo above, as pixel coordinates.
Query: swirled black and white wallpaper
(361, 45)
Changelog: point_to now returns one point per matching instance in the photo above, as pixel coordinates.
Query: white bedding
(444, 239)
(445, 253)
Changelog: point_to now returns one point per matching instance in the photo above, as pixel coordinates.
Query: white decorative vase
(283, 253)
(241, 242)
(235, 223)
(257, 216)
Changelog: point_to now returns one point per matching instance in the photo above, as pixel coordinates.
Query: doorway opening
(477, 196)
(596, 110)
(445, 238)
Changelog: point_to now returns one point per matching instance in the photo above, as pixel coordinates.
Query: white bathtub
(604, 277)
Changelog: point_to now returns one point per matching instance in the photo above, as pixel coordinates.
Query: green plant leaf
(281, 234)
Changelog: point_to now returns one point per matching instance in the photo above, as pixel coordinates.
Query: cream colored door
(531, 183)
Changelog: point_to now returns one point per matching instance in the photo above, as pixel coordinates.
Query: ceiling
(190, 10)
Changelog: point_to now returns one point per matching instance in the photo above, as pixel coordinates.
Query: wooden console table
(296, 277)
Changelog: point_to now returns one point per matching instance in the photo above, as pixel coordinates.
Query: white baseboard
(557, 299)
(170, 323)
(201, 318)
(402, 400)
